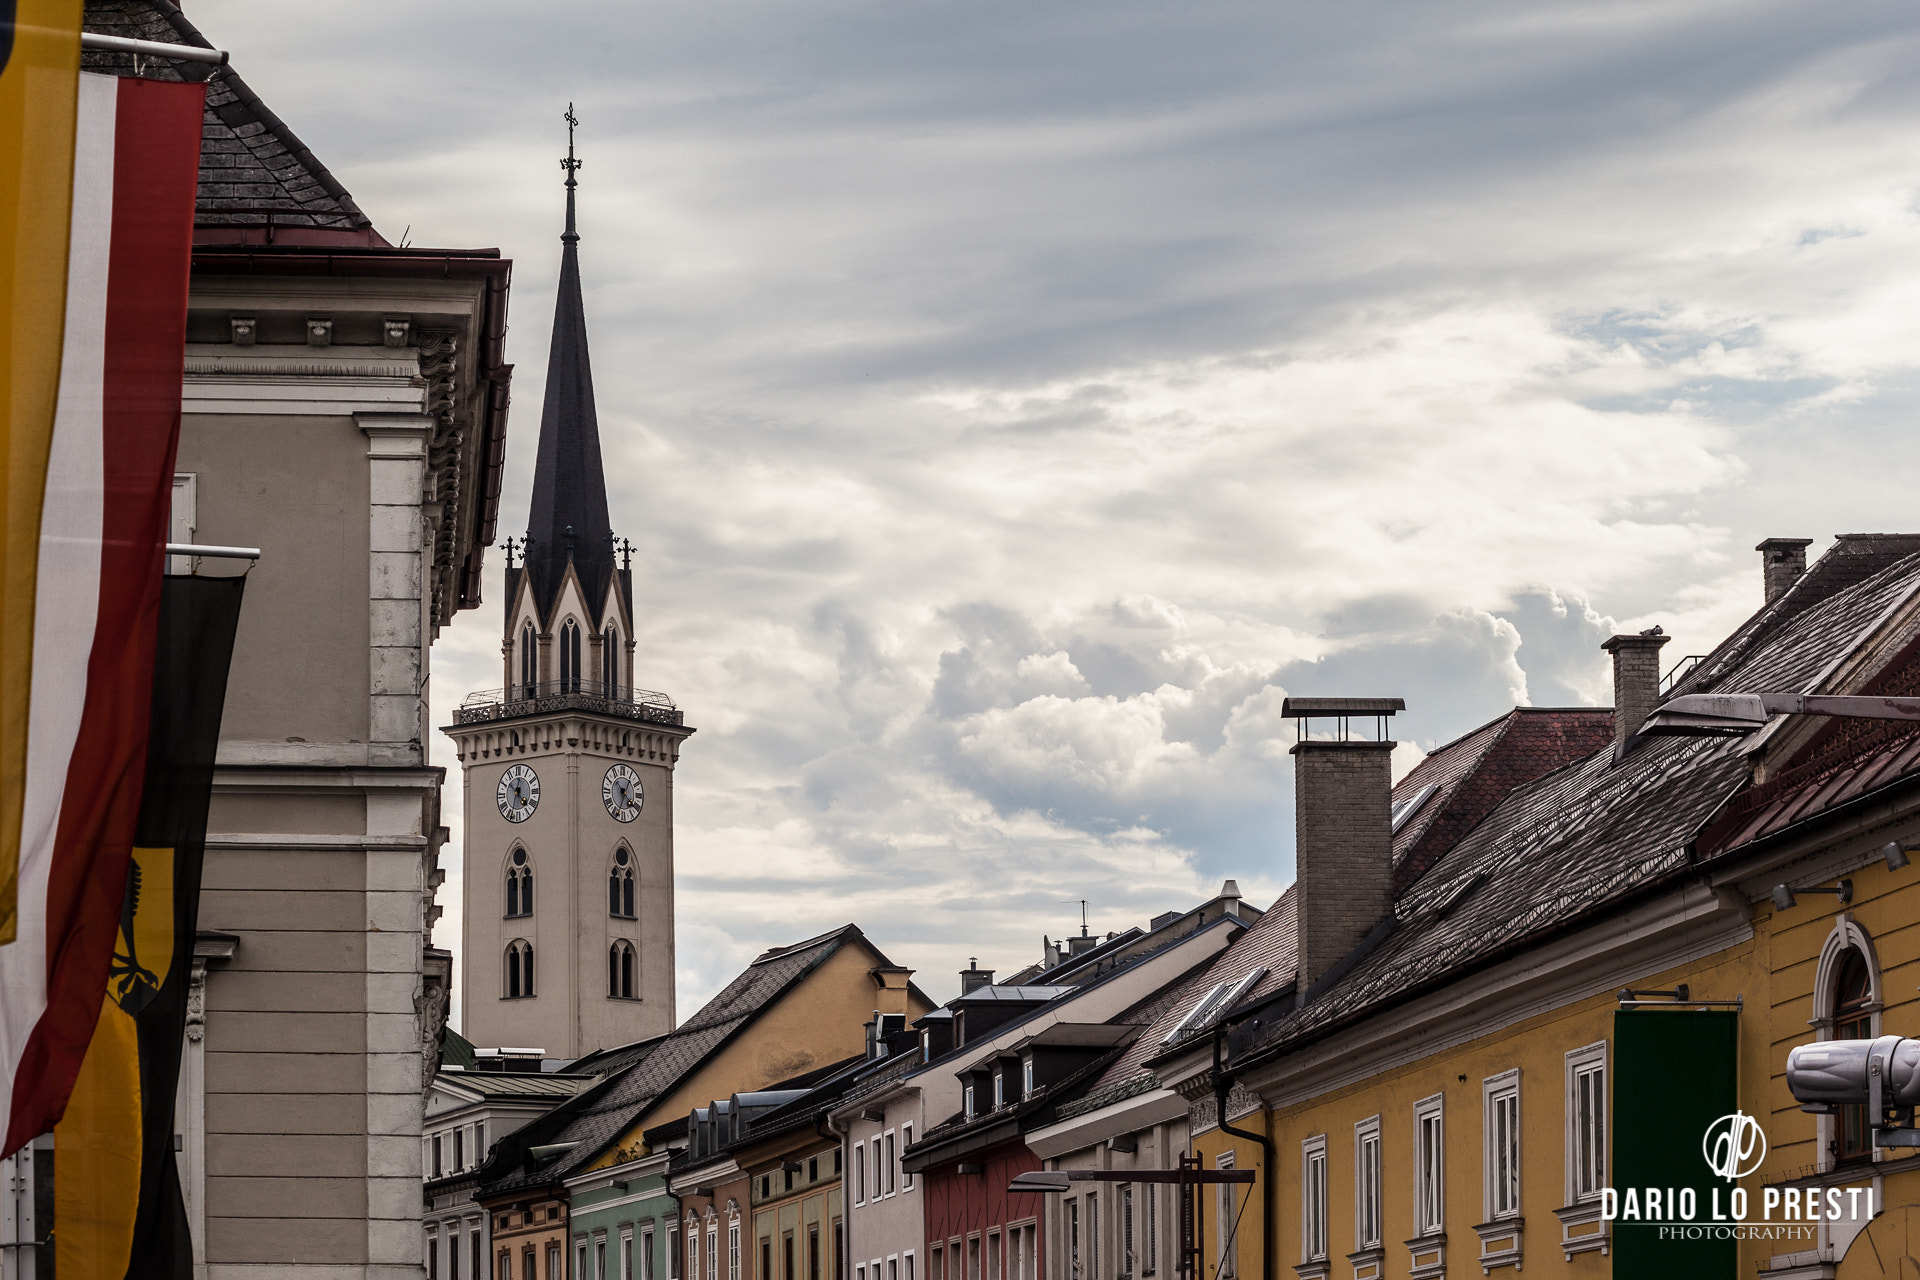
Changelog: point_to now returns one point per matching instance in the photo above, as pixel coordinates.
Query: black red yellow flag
(118, 1208)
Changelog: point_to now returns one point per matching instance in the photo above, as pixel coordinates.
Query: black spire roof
(568, 517)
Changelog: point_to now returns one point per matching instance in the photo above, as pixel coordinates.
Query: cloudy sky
(1013, 402)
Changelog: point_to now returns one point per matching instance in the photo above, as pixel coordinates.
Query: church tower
(568, 767)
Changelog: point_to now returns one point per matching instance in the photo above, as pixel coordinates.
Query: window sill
(1369, 1263)
(1582, 1230)
(1318, 1269)
(1427, 1256)
(1500, 1243)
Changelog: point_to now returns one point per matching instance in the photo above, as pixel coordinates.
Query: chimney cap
(1651, 638)
(1294, 707)
(1231, 889)
(1772, 544)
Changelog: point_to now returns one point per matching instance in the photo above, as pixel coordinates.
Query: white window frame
(1123, 1196)
(1500, 1143)
(999, 1089)
(713, 1248)
(1228, 1263)
(1368, 1168)
(891, 1159)
(1430, 1211)
(966, 1100)
(906, 1265)
(733, 1249)
(1150, 1236)
(860, 1173)
(1313, 1199)
(1026, 1076)
(1582, 1062)
(1092, 1199)
(906, 1174)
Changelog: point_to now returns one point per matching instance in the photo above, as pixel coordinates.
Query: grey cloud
(1014, 402)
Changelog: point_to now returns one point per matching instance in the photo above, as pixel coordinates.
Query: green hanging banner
(1674, 1076)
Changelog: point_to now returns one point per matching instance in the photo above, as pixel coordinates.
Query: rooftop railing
(568, 695)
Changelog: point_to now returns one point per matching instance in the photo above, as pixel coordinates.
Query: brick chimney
(1343, 830)
(1636, 680)
(1782, 560)
(973, 977)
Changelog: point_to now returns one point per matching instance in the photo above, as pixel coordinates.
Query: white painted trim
(1493, 1089)
(1362, 1130)
(1578, 1060)
(1432, 1105)
(1311, 1150)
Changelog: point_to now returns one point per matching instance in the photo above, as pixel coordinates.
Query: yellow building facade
(1477, 1086)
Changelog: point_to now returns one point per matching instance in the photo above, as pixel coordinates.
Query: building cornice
(1663, 932)
(1129, 1115)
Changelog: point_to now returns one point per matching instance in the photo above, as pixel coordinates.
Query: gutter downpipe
(1222, 1085)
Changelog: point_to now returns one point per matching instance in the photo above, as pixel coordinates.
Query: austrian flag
(97, 584)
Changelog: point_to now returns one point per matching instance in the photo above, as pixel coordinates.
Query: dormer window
(967, 1105)
(1026, 1077)
(999, 1091)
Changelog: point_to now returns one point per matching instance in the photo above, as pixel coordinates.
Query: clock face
(620, 792)
(519, 793)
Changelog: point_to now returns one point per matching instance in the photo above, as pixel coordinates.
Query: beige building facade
(343, 412)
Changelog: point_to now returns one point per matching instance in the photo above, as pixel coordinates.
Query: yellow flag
(39, 79)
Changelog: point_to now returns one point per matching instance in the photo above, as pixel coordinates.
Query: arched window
(620, 884)
(1846, 1006)
(570, 657)
(620, 967)
(1853, 1020)
(610, 649)
(529, 660)
(519, 977)
(519, 884)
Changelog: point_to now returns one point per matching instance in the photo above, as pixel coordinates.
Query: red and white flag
(96, 598)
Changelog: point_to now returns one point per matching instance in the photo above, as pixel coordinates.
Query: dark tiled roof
(1851, 560)
(1476, 772)
(595, 1120)
(515, 1086)
(1585, 840)
(456, 1050)
(250, 161)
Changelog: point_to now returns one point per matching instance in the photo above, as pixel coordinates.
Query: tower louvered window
(610, 650)
(529, 660)
(620, 885)
(519, 975)
(519, 885)
(570, 656)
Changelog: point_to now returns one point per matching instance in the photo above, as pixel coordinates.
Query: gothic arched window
(570, 657)
(610, 651)
(620, 884)
(1853, 1020)
(519, 884)
(529, 660)
(620, 967)
(519, 976)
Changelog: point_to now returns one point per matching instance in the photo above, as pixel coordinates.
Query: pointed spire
(568, 518)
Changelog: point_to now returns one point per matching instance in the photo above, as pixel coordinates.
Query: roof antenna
(1083, 913)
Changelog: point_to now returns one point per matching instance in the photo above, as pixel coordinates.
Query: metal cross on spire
(572, 165)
